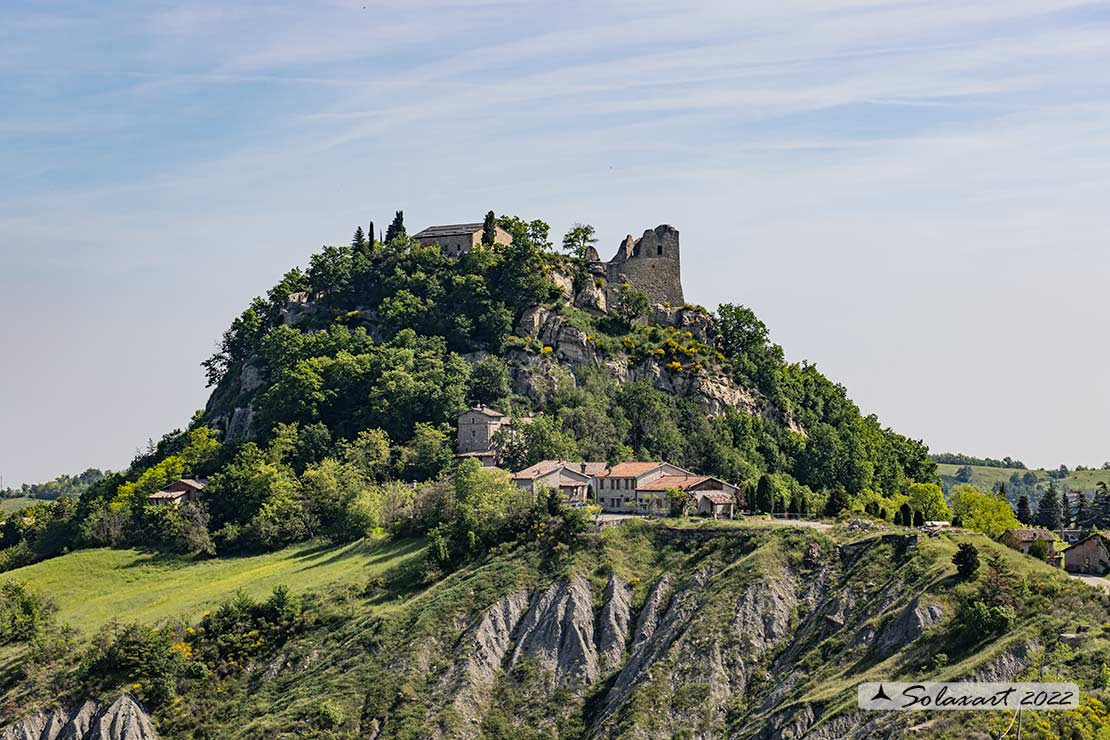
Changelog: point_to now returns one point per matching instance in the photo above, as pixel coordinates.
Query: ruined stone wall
(651, 264)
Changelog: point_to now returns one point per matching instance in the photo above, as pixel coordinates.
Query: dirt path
(1102, 583)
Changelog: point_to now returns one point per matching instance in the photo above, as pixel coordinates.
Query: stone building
(1090, 555)
(457, 239)
(573, 479)
(651, 264)
(477, 431)
(184, 490)
(642, 487)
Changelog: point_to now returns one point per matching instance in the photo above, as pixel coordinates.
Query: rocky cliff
(123, 719)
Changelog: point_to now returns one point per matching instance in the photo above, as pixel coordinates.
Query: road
(1102, 583)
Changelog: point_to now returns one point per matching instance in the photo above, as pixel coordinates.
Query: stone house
(1090, 555)
(1023, 539)
(186, 489)
(456, 240)
(642, 487)
(573, 479)
(477, 433)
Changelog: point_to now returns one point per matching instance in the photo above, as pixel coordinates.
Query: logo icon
(880, 694)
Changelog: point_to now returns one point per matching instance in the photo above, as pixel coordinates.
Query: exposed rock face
(241, 425)
(909, 625)
(553, 629)
(124, 719)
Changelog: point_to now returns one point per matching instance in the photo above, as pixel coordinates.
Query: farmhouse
(573, 479)
(186, 489)
(1023, 539)
(644, 487)
(1090, 555)
(455, 240)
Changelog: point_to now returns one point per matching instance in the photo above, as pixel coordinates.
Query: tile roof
(545, 467)
(486, 411)
(667, 482)
(629, 469)
(448, 230)
(1034, 533)
(718, 497)
(167, 495)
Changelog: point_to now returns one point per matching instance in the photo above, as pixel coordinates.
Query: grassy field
(984, 478)
(92, 587)
(8, 505)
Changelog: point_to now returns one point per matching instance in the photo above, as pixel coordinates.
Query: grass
(8, 505)
(984, 478)
(92, 587)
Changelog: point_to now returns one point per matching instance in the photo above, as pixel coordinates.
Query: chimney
(583, 468)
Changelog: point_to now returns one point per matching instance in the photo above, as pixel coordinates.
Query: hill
(1032, 481)
(92, 587)
(646, 630)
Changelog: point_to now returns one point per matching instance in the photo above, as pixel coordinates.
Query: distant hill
(988, 478)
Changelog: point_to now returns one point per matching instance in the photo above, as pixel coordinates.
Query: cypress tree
(1048, 509)
(1065, 510)
(1024, 513)
(1082, 512)
(764, 495)
(397, 228)
(371, 235)
(489, 229)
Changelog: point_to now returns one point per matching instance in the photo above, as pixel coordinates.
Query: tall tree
(358, 241)
(1100, 509)
(1048, 509)
(1024, 513)
(397, 228)
(489, 230)
(1082, 512)
(371, 235)
(580, 240)
(1065, 510)
(764, 495)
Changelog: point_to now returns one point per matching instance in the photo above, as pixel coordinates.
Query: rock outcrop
(123, 719)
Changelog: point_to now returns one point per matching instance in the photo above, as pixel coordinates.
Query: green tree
(396, 228)
(764, 495)
(837, 501)
(1024, 512)
(928, 499)
(427, 455)
(489, 230)
(966, 560)
(983, 512)
(631, 305)
(580, 241)
(358, 241)
(1065, 510)
(963, 474)
(1048, 509)
(1082, 512)
(490, 383)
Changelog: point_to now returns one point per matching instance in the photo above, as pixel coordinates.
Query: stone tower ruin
(651, 264)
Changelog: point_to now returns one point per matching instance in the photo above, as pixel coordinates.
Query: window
(659, 250)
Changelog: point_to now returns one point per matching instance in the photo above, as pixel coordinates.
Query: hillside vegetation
(640, 631)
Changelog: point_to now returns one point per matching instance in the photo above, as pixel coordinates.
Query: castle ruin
(651, 264)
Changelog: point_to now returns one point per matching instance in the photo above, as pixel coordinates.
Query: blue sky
(911, 194)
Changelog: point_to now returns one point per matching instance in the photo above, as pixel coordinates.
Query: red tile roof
(629, 469)
(718, 497)
(667, 482)
(544, 467)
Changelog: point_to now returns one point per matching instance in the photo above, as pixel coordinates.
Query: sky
(915, 196)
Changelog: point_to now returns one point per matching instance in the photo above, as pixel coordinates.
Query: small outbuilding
(186, 489)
